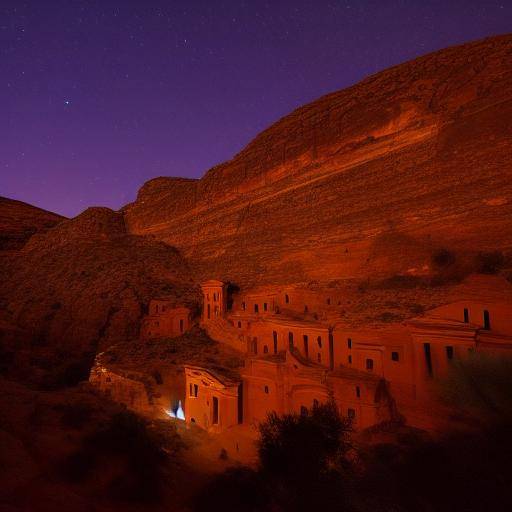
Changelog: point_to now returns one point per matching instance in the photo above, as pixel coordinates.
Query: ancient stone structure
(374, 373)
(212, 399)
(165, 320)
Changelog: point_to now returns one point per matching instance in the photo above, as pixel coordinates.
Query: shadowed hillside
(83, 285)
(19, 221)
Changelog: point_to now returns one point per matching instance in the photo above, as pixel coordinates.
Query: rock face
(84, 285)
(19, 221)
(369, 180)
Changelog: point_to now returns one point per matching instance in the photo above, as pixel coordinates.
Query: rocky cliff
(366, 181)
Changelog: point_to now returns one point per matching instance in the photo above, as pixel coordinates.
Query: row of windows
(487, 318)
(304, 411)
(428, 356)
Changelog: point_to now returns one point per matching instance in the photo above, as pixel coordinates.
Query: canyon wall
(366, 181)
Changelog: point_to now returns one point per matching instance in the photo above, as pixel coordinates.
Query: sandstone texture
(370, 180)
(84, 285)
(19, 221)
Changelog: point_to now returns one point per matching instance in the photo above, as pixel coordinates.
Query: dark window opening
(319, 341)
(290, 339)
(349, 342)
(306, 345)
(239, 325)
(351, 413)
(266, 390)
(209, 312)
(328, 302)
(215, 419)
(265, 306)
(256, 308)
(287, 299)
(487, 320)
(369, 364)
(265, 349)
(306, 310)
(349, 359)
(182, 325)
(274, 334)
(254, 346)
(240, 403)
(466, 315)
(449, 352)
(196, 390)
(358, 392)
(428, 358)
(243, 306)
(395, 356)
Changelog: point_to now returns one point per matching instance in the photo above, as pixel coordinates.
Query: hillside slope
(19, 221)
(83, 286)
(370, 180)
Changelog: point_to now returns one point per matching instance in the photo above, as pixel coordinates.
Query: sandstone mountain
(19, 221)
(82, 286)
(371, 180)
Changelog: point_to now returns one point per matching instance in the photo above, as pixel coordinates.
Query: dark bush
(303, 456)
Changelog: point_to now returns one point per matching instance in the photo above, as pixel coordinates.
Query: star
(67, 102)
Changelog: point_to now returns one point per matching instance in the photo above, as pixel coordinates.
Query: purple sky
(98, 96)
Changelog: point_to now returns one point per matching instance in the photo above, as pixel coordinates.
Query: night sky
(97, 97)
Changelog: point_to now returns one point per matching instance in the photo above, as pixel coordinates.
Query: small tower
(214, 299)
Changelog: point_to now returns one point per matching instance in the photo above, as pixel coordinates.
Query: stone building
(299, 351)
(165, 320)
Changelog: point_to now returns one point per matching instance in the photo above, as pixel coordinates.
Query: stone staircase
(222, 331)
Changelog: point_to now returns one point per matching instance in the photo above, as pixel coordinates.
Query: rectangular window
(349, 359)
(196, 390)
(349, 343)
(274, 335)
(395, 356)
(487, 320)
(290, 340)
(428, 358)
(306, 345)
(181, 326)
(369, 364)
(215, 419)
(264, 306)
(358, 392)
(466, 315)
(449, 352)
(256, 308)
